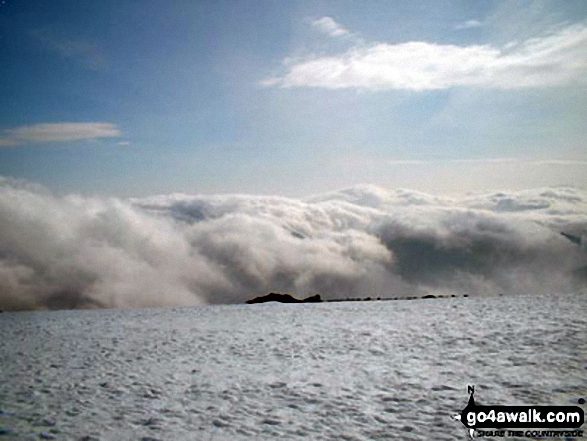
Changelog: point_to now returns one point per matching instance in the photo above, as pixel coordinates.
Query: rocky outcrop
(284, 298)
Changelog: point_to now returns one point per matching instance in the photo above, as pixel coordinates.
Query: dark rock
(429, 296)
(274, 297)
(45, 435)
(151, 422)
(575, 239)
(283, 298)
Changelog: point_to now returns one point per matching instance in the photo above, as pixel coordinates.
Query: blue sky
(136, 98)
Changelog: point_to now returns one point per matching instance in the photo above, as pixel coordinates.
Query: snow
(356, 370)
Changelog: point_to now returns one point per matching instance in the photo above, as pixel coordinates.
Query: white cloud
(65, 131)
(72, 251)
(328, 26)
(469, 24)
(554, 59)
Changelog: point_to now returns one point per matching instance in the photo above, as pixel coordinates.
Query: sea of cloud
(73, 251)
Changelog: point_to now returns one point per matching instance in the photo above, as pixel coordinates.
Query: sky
(131, 99)
(189, 152)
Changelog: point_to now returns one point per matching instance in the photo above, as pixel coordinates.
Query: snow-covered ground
(356, 371)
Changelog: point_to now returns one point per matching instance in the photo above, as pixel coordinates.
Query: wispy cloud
(65, 131)
(405, 162)
(71, 47)
(7, 142)
(486, 160)
(554, 59)
(455, 161)
(559, 162)
(495, 161)
(330, 27)
(469, 24)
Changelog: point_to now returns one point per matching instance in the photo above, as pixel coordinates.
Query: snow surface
(351, 371)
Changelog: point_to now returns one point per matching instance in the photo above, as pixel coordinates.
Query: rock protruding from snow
(284, 298)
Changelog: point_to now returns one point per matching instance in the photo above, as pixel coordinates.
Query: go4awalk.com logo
(523, 421)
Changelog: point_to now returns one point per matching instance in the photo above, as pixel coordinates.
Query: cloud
(559, 162)
(81, 252)
(405, 162)
(65, 131)
(486, 160)
(73, 251)
(469, 24)
(555, 59)
(7, 142)
(328, 26)
(491, 161)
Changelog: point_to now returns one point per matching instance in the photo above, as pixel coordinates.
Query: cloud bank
(554, 59)
(73, 251)
(64, 131)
